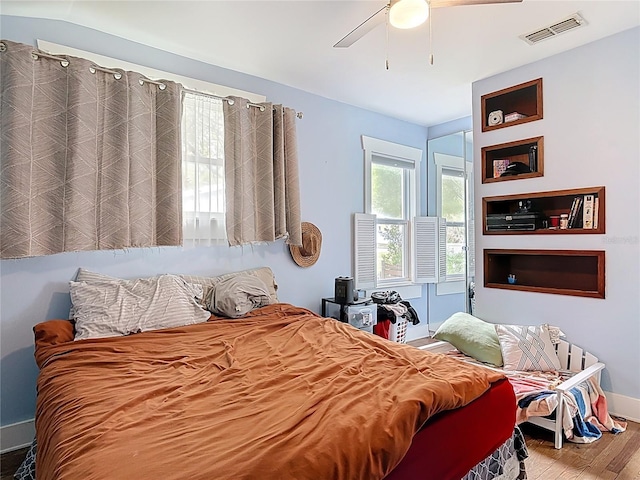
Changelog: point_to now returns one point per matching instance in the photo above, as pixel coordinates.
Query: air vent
(574, 21)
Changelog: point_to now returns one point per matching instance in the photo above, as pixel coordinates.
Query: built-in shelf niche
(563, 272)
(524, 99)
(528, 152)
(548, 204)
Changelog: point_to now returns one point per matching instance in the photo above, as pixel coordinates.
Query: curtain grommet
(64, 63)
(35, 56)
(162, 86)
(117, 75)
(3, 47)
(92, 70)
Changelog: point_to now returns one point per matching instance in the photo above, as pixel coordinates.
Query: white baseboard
(17, 435)
(623, 406)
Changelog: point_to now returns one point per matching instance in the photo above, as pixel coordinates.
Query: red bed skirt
(453, 442)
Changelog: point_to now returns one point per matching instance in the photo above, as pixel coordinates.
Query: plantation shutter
(364, 250)
(442, 249)
(471, 249)
(426, 249)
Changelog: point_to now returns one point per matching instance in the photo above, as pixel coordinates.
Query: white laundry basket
(398, 330)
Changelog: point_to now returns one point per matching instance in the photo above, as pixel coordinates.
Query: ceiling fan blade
(454, 3)
(361, 30)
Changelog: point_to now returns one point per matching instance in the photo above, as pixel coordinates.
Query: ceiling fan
(405, 14)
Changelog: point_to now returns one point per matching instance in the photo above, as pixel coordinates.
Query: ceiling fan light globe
(408, 13)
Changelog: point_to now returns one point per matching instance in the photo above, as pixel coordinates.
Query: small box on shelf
(500, 166)
(510, 117)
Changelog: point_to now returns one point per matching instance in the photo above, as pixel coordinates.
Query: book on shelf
(500, 166)
(596, 207)
(575, 219)
(533, 158)
(587, 212)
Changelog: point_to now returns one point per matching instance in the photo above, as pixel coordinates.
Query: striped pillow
(113, 308)
(527, 348)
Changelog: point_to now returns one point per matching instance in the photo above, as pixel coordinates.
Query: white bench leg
(559, 421)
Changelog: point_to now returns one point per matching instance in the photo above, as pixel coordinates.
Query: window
(452, 206)
(391, 193)
(452, 209)
(203, 170)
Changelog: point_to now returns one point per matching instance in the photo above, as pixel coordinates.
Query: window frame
(408, 158)
(451, 284)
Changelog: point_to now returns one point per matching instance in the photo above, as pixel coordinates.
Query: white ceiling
(291, 42)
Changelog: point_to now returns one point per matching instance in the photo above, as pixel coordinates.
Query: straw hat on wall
(307, 254)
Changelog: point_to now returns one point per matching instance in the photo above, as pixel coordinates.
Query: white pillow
(527, 348)
(113, 308)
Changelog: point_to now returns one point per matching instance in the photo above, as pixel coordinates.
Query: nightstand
(361, 314)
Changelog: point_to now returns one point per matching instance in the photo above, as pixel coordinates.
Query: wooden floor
(9, 463)
(612, 457)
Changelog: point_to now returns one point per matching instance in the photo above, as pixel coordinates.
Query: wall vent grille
(570, 23)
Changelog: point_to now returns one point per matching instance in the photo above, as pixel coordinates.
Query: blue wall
(331, 180)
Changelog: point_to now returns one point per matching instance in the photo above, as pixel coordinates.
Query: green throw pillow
(472, 336)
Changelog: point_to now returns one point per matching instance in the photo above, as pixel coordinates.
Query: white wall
(591, 134)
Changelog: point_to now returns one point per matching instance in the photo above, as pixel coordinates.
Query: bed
(278, 393)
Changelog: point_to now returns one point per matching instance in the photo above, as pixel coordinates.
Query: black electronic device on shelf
(514, 221)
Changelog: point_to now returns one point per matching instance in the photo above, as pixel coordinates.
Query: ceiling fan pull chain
(430, 37)
(386, 27)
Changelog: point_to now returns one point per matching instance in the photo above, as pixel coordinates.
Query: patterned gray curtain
(89, 161)
(261, 173)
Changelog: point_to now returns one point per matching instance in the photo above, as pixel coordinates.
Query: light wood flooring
(612, 457)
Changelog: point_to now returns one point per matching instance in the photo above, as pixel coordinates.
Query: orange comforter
(281, 394)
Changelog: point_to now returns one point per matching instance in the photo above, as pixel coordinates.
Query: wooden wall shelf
(553, 203)
(525, 99)
(563, 272)
(529, 152)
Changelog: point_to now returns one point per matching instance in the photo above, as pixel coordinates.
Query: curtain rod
(118, 75)
(230, 101)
